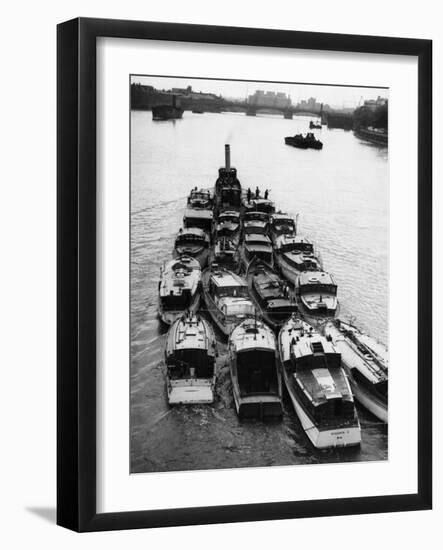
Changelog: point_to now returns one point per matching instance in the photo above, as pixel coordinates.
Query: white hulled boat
(227, 297)
(294, 255)
(318, 386)
(317, 292)
(256, 379)
(281, 224)
(366, 364)
(179, 288)
(190, 356)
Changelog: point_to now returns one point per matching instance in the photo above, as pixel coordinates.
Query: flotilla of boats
(263, 286)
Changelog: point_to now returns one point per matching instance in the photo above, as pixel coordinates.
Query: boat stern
(190, 391)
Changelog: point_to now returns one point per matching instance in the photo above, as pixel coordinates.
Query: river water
(341, 194)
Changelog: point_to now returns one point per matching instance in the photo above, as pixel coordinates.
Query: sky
(335, 96)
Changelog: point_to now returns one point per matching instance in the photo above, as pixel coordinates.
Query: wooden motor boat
(256, 378)
(227, 297)
(193, 241)
(366, 363)
(318, 386)
(201, 198)
(256, 246)
(228, 225)
(293, 255)
(273, 298)
(225, 253)
(317, 292)
(281, 224)
(190, 356)
(198, 217)
(179, 288)
(255, 222)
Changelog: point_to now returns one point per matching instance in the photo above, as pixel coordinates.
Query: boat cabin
(192, 236)
(282, 224)
(317, 282)
(297, 252)
(179, 283)
(200, 198)
(200, 218)
(255, 222)
(258, 246)
(230, 293)
(228, 223)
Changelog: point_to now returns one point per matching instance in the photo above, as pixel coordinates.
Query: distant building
(373, 104)
(311, 105)
(270, 99)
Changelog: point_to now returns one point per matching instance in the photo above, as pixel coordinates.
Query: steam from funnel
(227, 157)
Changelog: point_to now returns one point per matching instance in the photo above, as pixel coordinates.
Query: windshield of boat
(259, 216)
(233, 291)
(190, 237)
(318, 288)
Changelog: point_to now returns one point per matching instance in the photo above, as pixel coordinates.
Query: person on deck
(249, 195)
(257, 192)
(266, 194)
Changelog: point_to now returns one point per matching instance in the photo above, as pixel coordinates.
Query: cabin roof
(224, 278)
(189, 333)
(315, 278)
(198, 214)
(323, 383)
(291, 239)
(193, 231)
(281, 216)
(230, 213)
(258, 238)
(251, 334)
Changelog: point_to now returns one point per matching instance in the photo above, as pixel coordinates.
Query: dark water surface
(341, 194)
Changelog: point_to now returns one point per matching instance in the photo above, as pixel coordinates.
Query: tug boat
(366, 363)
(271, 295)
(256, 246)
(190, 356)
(201, 198)
(198, 217)
(227, 298)
(304, 142)
(318, 386)
(281, 224)
(228, 225)
(192, 241)
(294, 255)
(225, 253)
(256, 378)
(255, 222)
(227, 187)
(318, 293)
(179, 288)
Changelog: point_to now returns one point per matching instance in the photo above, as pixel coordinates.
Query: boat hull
(322, 438)
(169, 316)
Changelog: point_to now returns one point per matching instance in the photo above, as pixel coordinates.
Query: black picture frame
(76, 274)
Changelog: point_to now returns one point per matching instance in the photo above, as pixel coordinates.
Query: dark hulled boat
(190, 356)
(227, 187)
(314, 125)
(304, 142)
(318, 386)
(256, 378)
(272, 297)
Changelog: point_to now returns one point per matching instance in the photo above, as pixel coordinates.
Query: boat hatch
(317, 347)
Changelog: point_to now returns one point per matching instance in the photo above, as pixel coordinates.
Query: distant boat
(304, 142)
(256, 378)
(193, 241)
(179, 288)
(190, 356)
(198, 111)
(366, 363)
(314, 126)
(167, 112)
(273, 299)
(227, 297)
(318, 386)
